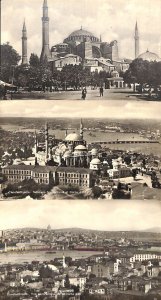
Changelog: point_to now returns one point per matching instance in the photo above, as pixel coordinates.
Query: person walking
(101, 91)
(84, 92)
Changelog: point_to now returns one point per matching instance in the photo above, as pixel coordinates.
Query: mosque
(83, 47)
(72, 151)
(80, 47)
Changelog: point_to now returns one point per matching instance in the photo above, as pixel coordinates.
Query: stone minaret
(136, 37)
(81, 129)
(36, 142)
(24, 45)
(46, 142)
(45, 32)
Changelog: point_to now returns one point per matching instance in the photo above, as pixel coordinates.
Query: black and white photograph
(80, 150)
(81, 50)
(67, 153)
(89, 252)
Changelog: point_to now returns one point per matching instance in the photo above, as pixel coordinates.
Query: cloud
(112, 19)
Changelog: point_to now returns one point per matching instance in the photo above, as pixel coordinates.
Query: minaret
(136, 37)
(24, 45)
(81, 129)
(36, 142)
(46, 142)
(64, 264)
(45, 32)
(100, 38)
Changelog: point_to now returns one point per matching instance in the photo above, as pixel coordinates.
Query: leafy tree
(34, 60)
(67, 282)
(144, 72)
(96, 191)
(9, 59)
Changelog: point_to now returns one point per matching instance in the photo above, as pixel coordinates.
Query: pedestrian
(101, 91)
(84, 92)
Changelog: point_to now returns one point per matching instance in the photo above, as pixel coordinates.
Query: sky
(112, 19)
(99, 215)
(115, 109)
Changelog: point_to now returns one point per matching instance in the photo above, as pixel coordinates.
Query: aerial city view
(74, 63)
(80, 158)
(52, 262)
(80, 150)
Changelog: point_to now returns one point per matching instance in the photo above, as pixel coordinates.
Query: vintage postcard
(80, 150)
(81, 50)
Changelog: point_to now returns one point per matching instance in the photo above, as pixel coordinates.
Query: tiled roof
(74, 170)
(19, 167)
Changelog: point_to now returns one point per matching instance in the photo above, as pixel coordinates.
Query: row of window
(73, 175)
(18, 177)
(79, 37)
(41, 174)
(42, 181)
(25, 172)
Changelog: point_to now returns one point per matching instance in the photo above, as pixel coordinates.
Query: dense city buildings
(79, 163)
(127, 265)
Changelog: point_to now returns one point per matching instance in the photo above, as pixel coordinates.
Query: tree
(67, 282)
(96, 191)
(134, 173)
(144, 72)
(34, 60)
(9, 59)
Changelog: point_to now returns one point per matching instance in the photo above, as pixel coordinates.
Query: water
(21, 257)
(96, 136)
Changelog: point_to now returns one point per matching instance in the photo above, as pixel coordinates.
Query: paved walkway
(112, 94)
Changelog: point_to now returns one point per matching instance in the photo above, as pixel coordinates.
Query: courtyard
(92, 94)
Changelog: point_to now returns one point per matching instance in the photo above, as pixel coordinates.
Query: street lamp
(12, 73)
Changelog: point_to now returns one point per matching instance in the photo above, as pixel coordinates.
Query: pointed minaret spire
(45, 32)
(24, 44)
(24, 26)
(136, 37)
(46, 142)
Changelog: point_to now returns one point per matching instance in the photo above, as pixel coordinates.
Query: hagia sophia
(83, 47)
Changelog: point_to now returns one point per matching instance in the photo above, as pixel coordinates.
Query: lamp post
(12, 73)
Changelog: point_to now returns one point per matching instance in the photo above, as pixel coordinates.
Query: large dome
(95, 161)
(80, 36)
(73, 137)
(149, 56)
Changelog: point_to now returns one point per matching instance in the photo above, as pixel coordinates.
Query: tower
(63, 263)
(45, 33)
(36, 142)
(46, 142)
(136, 37)
(81, 129)
(24, 44)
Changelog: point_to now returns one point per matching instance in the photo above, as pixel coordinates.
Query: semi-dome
(67, 153)
(95, 161)
(81, 35)
(73, 137)
(149, 56)
(80, 148)
(94, 151)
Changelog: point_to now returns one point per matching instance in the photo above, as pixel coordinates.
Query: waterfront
(21, 257)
